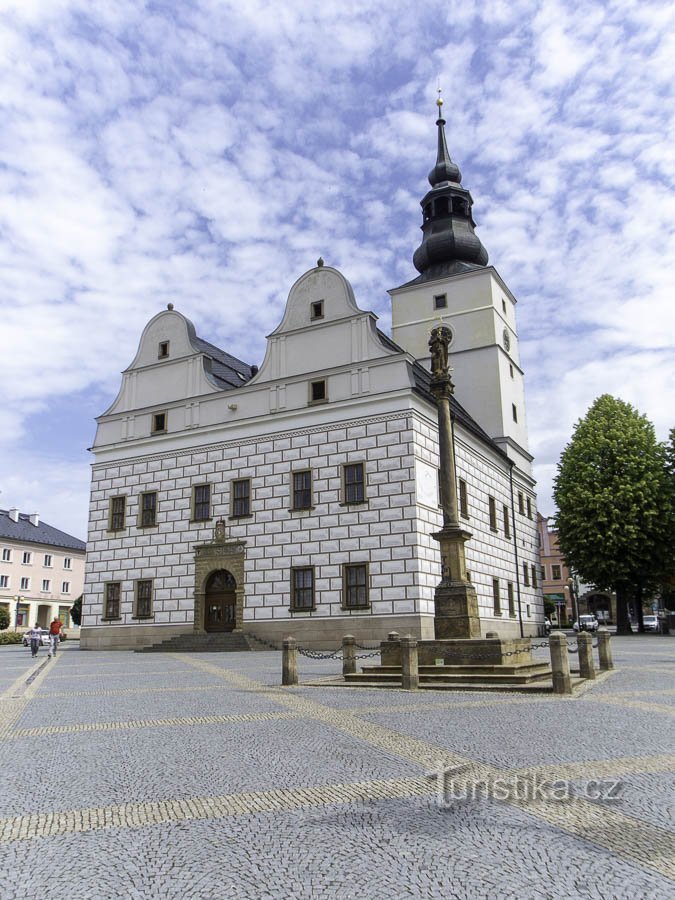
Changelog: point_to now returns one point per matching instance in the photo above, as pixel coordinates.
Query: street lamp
(16, 615)
(574, 597)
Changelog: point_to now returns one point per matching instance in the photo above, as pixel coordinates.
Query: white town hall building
(300, 498)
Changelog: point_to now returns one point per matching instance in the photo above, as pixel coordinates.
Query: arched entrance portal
(220, 602)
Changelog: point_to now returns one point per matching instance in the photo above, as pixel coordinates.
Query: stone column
(560, 664)
(289, 661)
(410, 678)
(586, 665)
(604, 650)
(348, 654)
(456, 603)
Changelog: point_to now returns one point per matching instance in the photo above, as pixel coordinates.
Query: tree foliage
(611, 491)
(4, 618)
(76, 611)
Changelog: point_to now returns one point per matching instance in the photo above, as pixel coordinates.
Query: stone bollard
(393, 636)
(586, 664)
(604, 650)
(410, 679)
(560, 664)
(348, 654)
(289, 661)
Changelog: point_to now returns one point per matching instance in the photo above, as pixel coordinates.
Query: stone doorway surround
(218, 554)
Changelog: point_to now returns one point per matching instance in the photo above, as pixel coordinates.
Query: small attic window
(163, 350)
(440, 301)
(503, 305)
(316, 310)
(317, 391)
(158, 422)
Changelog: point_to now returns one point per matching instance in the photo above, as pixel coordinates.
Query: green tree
(76, 611)
(611, 494)
(4, 618)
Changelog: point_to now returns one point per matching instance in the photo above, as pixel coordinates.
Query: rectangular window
(355, 586)
(112, 600)
(144, 599)
(46, 584)
(163, 350)
(507, 522)
(241, 497)
(118, 506)
(353, 476)
(555, 573)
(65, 587)
(529, 507)
(48, 560)
(514, 412)
(526, 575)
(25, 584)
(512, 602)
(317, 391)
(463, 500)
(148, 509)
(6, 554)
(492, 505)
(521, 503)
(66, 562)
(511, 371)
(542, 573)
(316, 310)
(159, 422)
(27, 557)
(201, 502)
(4, 581)
(302, 489)
(440, 301)
(534, 576)
(302, 588)
(496, 601)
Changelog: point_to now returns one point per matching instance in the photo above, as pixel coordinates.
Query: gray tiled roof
(42, 533)
(225, 368)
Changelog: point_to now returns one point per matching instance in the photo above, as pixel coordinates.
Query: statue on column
(439, 341)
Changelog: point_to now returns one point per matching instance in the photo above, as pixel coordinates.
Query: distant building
(300, 497)
(41, 570)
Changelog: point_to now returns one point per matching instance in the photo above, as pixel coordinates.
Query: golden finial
(439, 101)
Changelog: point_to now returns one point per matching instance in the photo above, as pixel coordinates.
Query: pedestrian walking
(35, 638)
(55, 629)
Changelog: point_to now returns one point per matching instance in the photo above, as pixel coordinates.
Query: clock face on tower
(507, 340)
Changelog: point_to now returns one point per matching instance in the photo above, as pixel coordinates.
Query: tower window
(316, 310)
(503, 305)
(163, 351)
(459, 206)
(158, 422)
(440, 301)
(441, 207)
(317, 391)
(514, 412)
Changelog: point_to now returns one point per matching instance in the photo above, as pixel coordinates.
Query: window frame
(68, 563)
(528, 505)
(295, 491)
(492, 513)
(153, 426)
(142, 510)
(65, 587)
(163, 349)
(506, 515)
(347, 485)
(6, 554)
(511, 599)
(112, 587)
(556, 568)
(27, 558)
(463, 497)
(4, 582)
(440, 301)
(315, 401)
(46, 586)
(24, 584)
(496, 598)
(295, 589)
(347, 588)
(196, 504)
(533, 575)
(521, 503)
(316, 310)
(526, 575)
(244, 512)
(138, 599)
(48, 561)
(121, 516)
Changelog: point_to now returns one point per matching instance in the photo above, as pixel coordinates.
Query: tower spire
(449, 245)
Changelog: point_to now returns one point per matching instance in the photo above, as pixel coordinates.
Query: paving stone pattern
(199, 776)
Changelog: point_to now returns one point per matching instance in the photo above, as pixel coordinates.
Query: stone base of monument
(462, 663)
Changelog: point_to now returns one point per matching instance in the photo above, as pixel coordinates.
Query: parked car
(586, 623)
(651, 623)
(44, 640)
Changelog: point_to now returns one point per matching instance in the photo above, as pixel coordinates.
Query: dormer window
(158, 422)
(317, 391)
(440, 301)
(316, 310)
(163, 351)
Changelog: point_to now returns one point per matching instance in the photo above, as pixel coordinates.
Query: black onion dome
(449, 244)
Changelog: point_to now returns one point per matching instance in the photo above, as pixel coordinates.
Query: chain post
(348, 654)
(560, 664)
(586, 665)
(289, 662)
(410, 678)
(604, 650)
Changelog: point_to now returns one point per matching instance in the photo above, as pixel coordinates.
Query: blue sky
(206, 153)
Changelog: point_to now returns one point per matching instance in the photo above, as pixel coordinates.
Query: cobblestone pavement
(197, 775)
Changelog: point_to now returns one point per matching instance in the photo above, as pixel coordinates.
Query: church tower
(457, 288)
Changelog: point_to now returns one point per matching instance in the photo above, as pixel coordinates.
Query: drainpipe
(515, 550)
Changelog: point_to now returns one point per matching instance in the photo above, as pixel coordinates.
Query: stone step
(515, 669)
(439, 675)
(228, 642)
